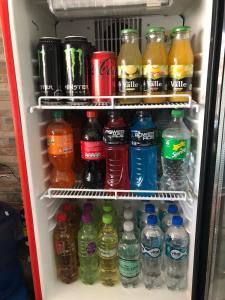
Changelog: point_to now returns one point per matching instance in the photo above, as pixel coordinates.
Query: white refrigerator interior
(30, 20)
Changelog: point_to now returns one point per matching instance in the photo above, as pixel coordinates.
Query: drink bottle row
(150, 246)
(74, 68)
(119, 156)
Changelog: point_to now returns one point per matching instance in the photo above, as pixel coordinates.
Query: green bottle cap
(58, 114)
(107, 207)
(154, 29)
(177, 113)
(107, 219)
(181, 29)
(128, 31)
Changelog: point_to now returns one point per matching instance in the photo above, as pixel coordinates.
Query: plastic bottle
(143, 153)
(129, 254)
(92, 151)
(87, 249)
(60, 151)
(177, 249)
(175, 154)
(107, 249)
(151, 253)
(172, 210)
(65, 253)
(115, 137)
(149, 210)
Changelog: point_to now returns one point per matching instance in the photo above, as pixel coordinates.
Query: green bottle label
(128, 268)
(175, 149)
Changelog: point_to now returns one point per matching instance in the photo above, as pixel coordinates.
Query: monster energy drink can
(77, 73)
(50, 68)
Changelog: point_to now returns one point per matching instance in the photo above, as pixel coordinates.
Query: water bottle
(177, 248)
(149, 210)
(172, 210)
(87, 250)
(143, 153)
(175, 154)
(151, 253)
(129, 252)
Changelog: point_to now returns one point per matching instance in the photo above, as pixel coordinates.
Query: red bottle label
(92, 150)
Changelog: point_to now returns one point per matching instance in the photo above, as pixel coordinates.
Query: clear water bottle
(151, 253)
(175, 153)
(149, 210)
(177, 248)
(129, 254)
(172, 210)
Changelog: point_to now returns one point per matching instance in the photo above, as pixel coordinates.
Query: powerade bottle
(143, 153)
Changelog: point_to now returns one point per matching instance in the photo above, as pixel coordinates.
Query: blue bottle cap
(152, 220)
(149, 208)
(177, 220)
(172, 209)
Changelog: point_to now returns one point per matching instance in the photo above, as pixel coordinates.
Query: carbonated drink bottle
(60, 151)
(129, 254)
(175, 154)
(87, 250)
(172, 210)
(115, 136)
(92, 152)
(107, 250)
(149, 210)
(177, 248)
(152, 250)
(143, 153)
(65, 253)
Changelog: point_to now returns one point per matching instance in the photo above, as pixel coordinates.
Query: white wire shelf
(79, 192)
(112, 102)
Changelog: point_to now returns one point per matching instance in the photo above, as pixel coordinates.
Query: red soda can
(103, 75)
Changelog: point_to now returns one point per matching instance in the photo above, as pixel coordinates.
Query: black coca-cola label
(144, 137)
(115, 136)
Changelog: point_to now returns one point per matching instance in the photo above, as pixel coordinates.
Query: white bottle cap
(128, 214)
(128, 226)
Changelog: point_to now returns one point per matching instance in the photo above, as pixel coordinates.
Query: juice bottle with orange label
(60, 151)
(155, 65)
(181, 61)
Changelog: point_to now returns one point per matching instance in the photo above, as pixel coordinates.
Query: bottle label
(91, 248)
(155, 78)
(144, 137)
(180, 78)
(115, 136)
(92, 150)
(153, 252)
(129, 78)
(128, 268)
(175, 149)
(178, 253)
(60, 144)
(109, 253)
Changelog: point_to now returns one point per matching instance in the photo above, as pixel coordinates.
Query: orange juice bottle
(155, 65)
(60, 151)
(181, 61)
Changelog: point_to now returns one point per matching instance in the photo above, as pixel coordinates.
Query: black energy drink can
(77, 68)
(50, 68)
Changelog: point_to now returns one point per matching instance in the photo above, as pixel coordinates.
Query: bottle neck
(158, 37)
(92, 120)
(178, 120)
(130, 39)
(129, 235)
(185, 35)
(58, 119)
(62, 226)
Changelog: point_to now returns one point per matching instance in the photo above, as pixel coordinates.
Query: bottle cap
(107, 207)
(88, 206)
(155, 29)
(86, 218)
(107, 219)
(61, 217)
(91, 114)
(128, 31)
(181, 29)
(58, 114)
(128, 214)
(177, 113)
(128, 226)
(172, 209)
(177, 220)
(68, 207)
(149, 208)
(152, 220)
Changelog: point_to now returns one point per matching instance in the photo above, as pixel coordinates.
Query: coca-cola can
(103, 75)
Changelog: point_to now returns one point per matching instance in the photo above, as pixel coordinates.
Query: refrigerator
(23, 23)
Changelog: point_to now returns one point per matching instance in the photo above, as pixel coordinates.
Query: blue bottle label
(176, 253)
(153, 252)
(144, 137)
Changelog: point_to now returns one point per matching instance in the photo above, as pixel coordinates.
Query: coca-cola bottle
(92, 152)
(115, 137)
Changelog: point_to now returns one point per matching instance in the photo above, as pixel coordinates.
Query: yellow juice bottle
(181, 61)
(155, 65)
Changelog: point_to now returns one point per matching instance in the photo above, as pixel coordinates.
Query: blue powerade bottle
(143, 153)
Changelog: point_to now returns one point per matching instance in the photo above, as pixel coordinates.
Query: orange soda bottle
(60, 151)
